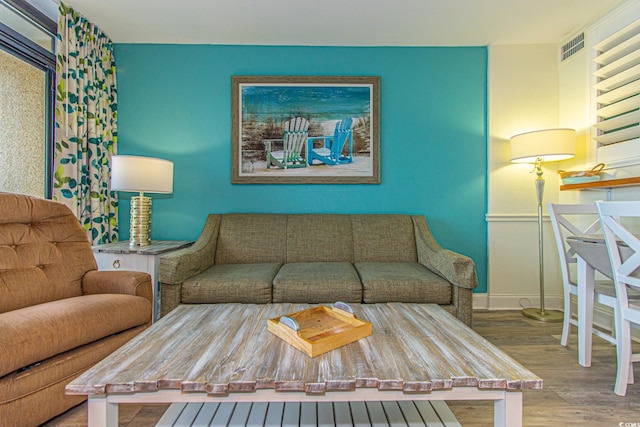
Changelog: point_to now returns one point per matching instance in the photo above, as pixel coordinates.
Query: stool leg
(586, 292)
(624, 357)
(566, 321)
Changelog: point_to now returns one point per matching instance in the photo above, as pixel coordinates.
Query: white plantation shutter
(617, 96)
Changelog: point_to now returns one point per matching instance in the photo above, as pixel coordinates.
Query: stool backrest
(571, 220)
(623, 245)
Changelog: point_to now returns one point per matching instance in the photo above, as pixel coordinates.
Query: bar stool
(623, 248)
(568, 220)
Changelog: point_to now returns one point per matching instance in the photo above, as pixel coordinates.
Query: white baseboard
(480, 301)
(515, 302)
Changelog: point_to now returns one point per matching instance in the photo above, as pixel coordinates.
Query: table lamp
(537, 147)
(141, 174)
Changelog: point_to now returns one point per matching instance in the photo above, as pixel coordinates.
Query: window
(27, 90)
(616, 87)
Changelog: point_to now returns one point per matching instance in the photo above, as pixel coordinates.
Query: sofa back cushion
(251, 238)
(383, 238)
(44, 252)
(319, 238)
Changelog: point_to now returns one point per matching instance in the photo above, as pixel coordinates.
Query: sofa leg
(169, 298)
(462, 299)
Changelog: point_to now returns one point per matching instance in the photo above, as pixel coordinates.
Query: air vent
(572, 47)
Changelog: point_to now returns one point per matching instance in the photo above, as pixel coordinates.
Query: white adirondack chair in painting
(293, 141)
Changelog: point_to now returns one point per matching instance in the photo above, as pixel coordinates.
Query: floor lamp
(140, 175)
(537, 147)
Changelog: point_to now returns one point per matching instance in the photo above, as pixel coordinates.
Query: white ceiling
(342, 22)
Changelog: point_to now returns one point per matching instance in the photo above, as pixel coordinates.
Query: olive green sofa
(317, 258)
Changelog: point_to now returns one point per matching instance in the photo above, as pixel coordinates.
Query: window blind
(617, 73)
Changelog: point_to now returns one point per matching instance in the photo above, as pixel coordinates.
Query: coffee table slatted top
(225, 348)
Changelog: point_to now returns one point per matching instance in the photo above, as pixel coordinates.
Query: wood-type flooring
(572, 395)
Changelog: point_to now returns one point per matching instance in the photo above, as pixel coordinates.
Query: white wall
(530, 90)
(575, 112)
(523, 96)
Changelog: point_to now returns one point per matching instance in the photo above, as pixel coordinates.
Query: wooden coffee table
(223, 352)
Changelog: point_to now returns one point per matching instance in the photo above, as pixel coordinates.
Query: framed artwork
(305, 130)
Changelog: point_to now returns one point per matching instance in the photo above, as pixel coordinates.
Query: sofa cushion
(319, 238)
(41, 331)
(402, 282)
(383, 238)
(244, 283)
(43, 252)
(317, 282)
(251, 238)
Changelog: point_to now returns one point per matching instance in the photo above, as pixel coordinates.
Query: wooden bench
(308, 414)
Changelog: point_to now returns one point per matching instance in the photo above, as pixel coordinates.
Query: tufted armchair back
(44, 252)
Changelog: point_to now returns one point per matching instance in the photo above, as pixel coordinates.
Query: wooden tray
(318, 330)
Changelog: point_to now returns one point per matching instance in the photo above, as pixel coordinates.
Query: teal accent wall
(174, 102)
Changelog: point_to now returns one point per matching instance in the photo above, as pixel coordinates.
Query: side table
(121, 256)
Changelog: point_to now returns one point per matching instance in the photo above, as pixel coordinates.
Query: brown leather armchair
(58, 314)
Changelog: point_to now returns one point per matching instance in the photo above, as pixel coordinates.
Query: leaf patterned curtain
(86, 130)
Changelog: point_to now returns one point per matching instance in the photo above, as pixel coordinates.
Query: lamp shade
(141, 174)
(548, 145)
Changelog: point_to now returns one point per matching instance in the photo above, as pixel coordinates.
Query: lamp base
(140, 224)
(551, 316)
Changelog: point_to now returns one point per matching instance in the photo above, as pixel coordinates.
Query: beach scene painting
(305, 129)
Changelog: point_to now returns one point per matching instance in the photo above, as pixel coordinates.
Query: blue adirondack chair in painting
(293, 140)
(330, 153)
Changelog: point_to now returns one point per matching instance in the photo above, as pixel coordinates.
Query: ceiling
(342, 22)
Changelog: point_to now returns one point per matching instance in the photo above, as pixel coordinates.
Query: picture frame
(305, 130)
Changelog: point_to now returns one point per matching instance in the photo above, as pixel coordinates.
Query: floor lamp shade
(547, 145)
(141, 175)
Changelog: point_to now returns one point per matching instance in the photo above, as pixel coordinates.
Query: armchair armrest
(326, 141)
(458, 269)
(118, 282)
(316, 138)
(267, 143)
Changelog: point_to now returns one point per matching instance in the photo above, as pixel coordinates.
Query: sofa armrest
(176, 267)
(118, 282)
(458, 269)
